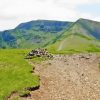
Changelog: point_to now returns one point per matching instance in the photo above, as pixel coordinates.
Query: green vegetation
(57, 37)
(78, 38)
(32, 34)
(16, 98)
(15, 72)
(24, 93)
(74, 44)
(38, 59)
(56, 34)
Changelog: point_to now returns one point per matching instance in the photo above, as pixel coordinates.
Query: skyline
(14, 12)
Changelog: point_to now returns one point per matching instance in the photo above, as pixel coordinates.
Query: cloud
(13, 12)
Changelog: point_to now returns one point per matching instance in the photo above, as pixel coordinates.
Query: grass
(38, 59)
(74, 44)
(24, 93)
(15, 72)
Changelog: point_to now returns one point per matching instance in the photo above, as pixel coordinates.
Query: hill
(83, 35)
(58, 36)
(32, 34)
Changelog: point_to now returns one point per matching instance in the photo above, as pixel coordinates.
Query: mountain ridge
(42, 33)
(32, 31)
(77, 38)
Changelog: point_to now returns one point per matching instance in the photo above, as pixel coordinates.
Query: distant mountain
(32, 34)
(83, 35)
(90, 27)
(44, 25)
(58, 36)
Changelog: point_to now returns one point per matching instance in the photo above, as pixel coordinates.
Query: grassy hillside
(73, 44)
(60, 36)
(77, 39)
(15, 72)
(32, 34)
(91, 27)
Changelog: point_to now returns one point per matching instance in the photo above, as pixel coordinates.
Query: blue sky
(14, 12)
(93, 9)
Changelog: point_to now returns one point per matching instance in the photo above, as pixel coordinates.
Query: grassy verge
(15, 72)
(90, 49)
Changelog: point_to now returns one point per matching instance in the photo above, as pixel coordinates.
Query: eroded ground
(68, 77)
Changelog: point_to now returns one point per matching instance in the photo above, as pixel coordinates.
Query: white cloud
(97, 18)
(13, 12)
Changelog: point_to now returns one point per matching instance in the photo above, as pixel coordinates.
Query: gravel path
(68, 77)
(73, 77)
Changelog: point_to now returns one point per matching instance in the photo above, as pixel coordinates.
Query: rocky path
(69, 77)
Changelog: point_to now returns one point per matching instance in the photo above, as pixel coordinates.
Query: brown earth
(68, 77)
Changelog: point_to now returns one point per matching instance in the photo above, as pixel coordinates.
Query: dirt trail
(73, 77)
(68, 77)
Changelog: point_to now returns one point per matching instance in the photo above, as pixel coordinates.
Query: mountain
(32, 34)
(57, 36)
(44, 25)
(90, 27)
(83, 35)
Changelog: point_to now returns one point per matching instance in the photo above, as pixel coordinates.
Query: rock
(84, 57)
(82, 74)
(33, 88)
(40, 53)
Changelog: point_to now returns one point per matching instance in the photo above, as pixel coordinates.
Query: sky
(14, 12)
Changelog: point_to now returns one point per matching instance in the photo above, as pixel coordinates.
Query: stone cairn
(39, 53)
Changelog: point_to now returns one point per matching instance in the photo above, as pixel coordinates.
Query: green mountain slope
(57, 36)
(91, 27)
(78, 37)
(32, 34)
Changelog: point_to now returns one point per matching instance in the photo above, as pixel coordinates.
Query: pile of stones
(39, 53)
